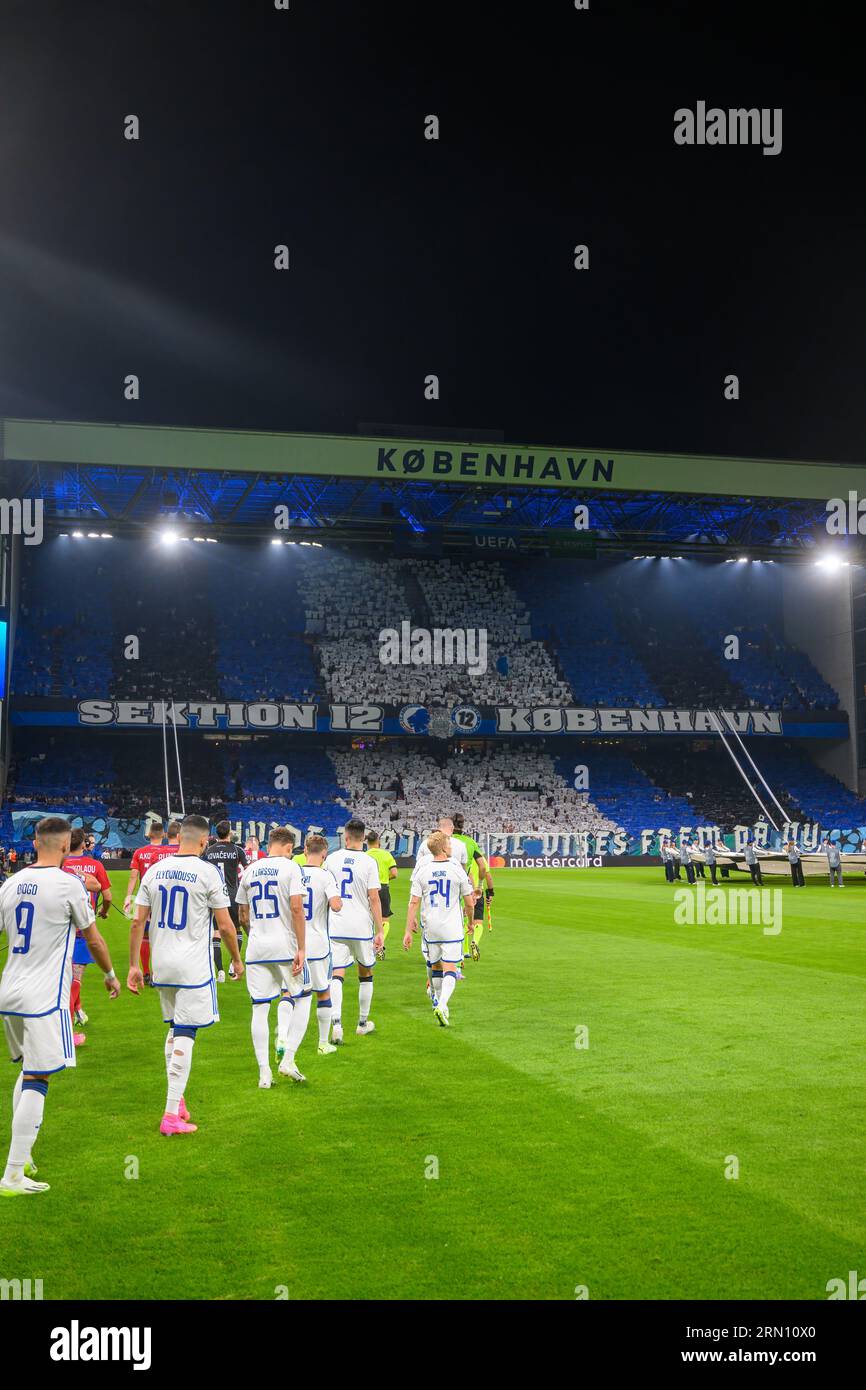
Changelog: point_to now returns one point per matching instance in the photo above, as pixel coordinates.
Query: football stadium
(639, 691)
(432, 674)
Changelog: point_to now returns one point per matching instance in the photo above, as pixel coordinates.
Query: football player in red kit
(141, 861)
(92, 874)
(253, 850)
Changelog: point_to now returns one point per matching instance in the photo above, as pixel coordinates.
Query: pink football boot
(173, 1124)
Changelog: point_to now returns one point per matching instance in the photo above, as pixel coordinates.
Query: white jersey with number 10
(181, 893)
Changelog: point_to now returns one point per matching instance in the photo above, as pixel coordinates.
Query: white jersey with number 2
(355, 873)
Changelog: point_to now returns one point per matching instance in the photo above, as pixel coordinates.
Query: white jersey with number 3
(40, 911)
(355, 873)
(267, 888)
(440, 884)
(181, 892)
(319, 886)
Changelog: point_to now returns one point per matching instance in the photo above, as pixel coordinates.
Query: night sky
(452, 257)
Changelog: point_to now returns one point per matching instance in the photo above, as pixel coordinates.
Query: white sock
(25, 1127)
(337, 998)
(300, 1019)
(449, 980)
(169, 1048)
(323, 1016)
(365, 999)
(178, 1073)
(285, 1009)
(16, 1096)
(260, 1029)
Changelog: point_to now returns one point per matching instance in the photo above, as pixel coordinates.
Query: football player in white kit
(457, 851)
(352, 930)
(41, 908)
(321, 897)
(179, 894)
(270, 903)
(459, 855)
(438, 885)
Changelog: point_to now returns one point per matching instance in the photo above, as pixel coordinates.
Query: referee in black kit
(230, 859)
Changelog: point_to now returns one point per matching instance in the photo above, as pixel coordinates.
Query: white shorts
(435, 952)
(320, 973)
(350, 948)
(41, 1045)
(268, 979)
(189, 1008)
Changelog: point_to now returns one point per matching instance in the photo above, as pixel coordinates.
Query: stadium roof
(375, 488)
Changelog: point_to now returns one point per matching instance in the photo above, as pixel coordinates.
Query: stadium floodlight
(106, 536)
(276, 541)
(77, 535)
(200, 539)
(93, 535)
(831, 563)
(742, 559)
(168, 537)
(211, 540)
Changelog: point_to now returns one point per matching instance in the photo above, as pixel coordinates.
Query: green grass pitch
(558, 1166)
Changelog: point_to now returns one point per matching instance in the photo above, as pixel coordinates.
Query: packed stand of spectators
(140, 781)
(350, 602)
(686, 674)
(263, 652)
(177, 645)
(302, 624)
(501, 791)
(256, 774)
(477, 595)
(624, 792)
(58, 774)
(576, 621)
(772, 674)
(683, 637)
(63, 642)
(705, 777)
(800, 783)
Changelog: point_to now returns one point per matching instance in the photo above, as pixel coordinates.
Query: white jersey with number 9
(40, 911)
